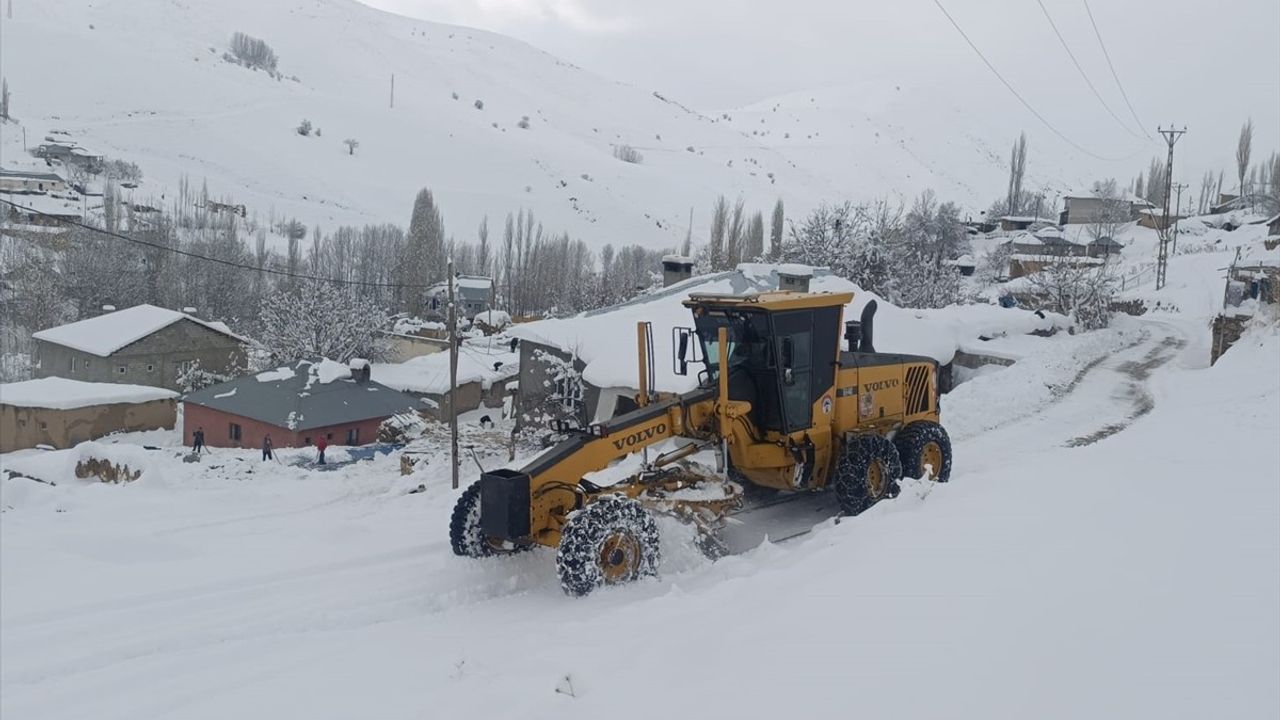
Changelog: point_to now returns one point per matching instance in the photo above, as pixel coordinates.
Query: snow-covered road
(1134, 575)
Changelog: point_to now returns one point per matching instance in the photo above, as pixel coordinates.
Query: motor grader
(781, 405)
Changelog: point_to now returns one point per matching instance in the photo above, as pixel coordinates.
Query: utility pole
(453, 378)
(393, 90)
(1162, 260)
(1177, 214)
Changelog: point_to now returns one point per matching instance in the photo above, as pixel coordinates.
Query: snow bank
(63, 394)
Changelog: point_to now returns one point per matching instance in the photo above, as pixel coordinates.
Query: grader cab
(779, 403)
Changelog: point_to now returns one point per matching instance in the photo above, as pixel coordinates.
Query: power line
(1141, 125)
(1017, 94)
(1083, 74)
(206, 258)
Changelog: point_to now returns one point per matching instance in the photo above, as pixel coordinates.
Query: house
(28, 181)
(1154, 218)
(141, 345)
(1103, 247)
(296, 405)
(1087, 207)
(473, 295)
(1021, 264)
(964, 264)
(1013, 223)
(485, 369)
(675, 269)
(1054, 242)
(61, 413)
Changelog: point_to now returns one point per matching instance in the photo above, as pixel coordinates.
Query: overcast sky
(1208, 65)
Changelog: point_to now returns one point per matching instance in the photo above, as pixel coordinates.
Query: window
(73, 365)
(353, 436)
(86, 363)
(44, 426)
(151, 367)
(234, 431)
(306, 441)
(328, 436)
(122, 369)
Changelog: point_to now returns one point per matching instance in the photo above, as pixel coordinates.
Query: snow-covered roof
(493, 318)
(475, 281)
(795, 270)
(677, 259)
(107, 334)
(310, 394)
(32, 175)
(1051, 231)
(430, 373)
(63, 394)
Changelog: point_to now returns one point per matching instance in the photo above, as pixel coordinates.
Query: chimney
(676, 268)
(794, 277)
(360, 369)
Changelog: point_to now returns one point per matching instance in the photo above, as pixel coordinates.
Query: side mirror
(680, 350)
(788, 353)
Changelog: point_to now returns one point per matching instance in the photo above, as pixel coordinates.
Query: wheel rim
(931, 455)
(619, 557)
(875, 478)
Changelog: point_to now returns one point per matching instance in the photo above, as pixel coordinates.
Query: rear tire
(867, 472)
(465, 535)
(612, 540)
(924, 443)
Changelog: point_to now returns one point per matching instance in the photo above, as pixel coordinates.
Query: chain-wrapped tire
(465, 535)
(610, 541)
(867, 472)
(924, 443)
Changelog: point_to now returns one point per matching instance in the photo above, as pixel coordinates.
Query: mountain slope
(144, 80)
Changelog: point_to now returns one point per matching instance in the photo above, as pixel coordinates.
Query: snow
(280, 373)
(430, 373)
(605, 340)
(475, 283)
(493, 318)
(794, 270)
(62, 394)
(326, 371)
(227, 394)
(1043, 580)
(108, 333)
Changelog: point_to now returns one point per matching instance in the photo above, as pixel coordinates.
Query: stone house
(296, 406)
(27, 181)
(61, 413)
(1089, 208)
(141, 345)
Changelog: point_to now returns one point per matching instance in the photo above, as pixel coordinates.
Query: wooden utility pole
(453, 377)
(1162, 259)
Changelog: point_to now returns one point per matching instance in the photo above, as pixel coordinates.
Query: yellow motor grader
(778, 401)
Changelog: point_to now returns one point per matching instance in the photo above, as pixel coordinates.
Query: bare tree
(715, 247)
(734, 236)
(753, 248)
(304, 127)
(1112, 212)
(1244, 148)
(628, 154)
(1017, 170)
(351, 144)
(775, 231)
(253, 53)
(1084, 292)
(1206, 193)
(4, 98)
(482, 247)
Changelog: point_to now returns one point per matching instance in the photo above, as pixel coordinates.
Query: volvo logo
(880, 385)
(639, 437)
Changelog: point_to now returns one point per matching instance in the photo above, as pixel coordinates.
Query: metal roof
(302, 401)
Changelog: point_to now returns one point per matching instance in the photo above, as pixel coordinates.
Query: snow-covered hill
(144, 80)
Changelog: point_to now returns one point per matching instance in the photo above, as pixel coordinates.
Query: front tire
(867, 472)
(612, 540)
(924, 444)
(465, 535)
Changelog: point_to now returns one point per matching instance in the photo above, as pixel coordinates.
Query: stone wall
(1227, 329)
(22, 427)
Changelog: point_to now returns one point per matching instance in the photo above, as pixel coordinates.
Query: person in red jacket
(321, 444)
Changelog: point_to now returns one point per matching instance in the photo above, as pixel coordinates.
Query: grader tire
(924, 443)
(465, 535)
(867, 472)
(612, 540)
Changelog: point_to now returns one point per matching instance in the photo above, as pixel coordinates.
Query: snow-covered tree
(351, 144)
(753, 248)
(321, 319)
(1084, 292)
(775, 231)
(4, 98)
(1244, 149)
(716, 257)
(734, 239)
(423, 260)
(1017, 171)
(1111, 214)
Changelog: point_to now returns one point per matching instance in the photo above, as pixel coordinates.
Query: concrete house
(1087, 207)
(61, 413)
(485, 372)
(141, 345)
(296, 406)
(473, 294)
(28, 181)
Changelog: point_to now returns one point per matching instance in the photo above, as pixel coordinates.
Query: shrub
(304, 127)
(626, 153)
(524, 122)
(479, 104)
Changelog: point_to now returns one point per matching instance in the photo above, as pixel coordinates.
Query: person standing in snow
(321, 444)
(197, 440)
(266, 447)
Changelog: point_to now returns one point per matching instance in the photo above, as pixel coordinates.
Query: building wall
(10, 183)
(217, 430)
(154, 360)
(468, 396)
(539, 365)
(22, 427)
(402, 348)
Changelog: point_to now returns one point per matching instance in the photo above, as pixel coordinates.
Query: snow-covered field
(1068, 570)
